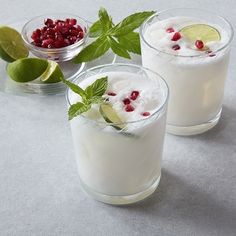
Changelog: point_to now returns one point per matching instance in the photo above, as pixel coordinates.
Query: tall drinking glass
(120, 166)
(196, 80)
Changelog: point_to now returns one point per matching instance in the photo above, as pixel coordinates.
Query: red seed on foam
(126, 101)
(134, 95)
(129, 108)
(170, 30)
(111, 94)
(176, 47)
(176, 36)
(146, 113)
(210, 54)
(199, 44)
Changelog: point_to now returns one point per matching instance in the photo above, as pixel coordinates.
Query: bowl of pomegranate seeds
(58, 37)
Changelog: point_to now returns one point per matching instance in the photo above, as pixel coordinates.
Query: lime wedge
(110, 116)
(52, 74)
(26, 69)
(203, 32)
(11, 45)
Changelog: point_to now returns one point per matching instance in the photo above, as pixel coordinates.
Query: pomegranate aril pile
(57, 33)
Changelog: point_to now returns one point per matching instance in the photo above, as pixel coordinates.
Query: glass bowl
(55, 54)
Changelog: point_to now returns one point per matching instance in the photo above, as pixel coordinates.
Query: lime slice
(110, 116)
(27, 69)
(203, 32)
(52, 74)
(11, 45)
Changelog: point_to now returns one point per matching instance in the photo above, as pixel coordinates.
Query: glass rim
(141, 32)
(55, 50)
(159, 107)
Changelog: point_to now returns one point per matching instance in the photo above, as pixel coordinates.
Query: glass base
(121, 200)
(195, 129)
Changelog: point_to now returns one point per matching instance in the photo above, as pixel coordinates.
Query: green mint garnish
(91, 95)
(121, 38)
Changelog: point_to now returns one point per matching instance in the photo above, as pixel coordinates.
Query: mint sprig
(91, 95)
(121, 38)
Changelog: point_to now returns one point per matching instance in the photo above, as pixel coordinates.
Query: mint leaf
(96, 100)
(75, 88)
(93, 51)
(120, 38)
(77, 109)
(105, 19)
(118, 49)
(102, 25)
(131, 42)
(95, 30)
(130, 23)
(98, 88)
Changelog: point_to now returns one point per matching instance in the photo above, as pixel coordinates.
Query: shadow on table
(177, 199)
(227, 123)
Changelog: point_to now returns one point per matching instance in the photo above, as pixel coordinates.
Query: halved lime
(52, 74)
(203, 32)
(11, 45)
(27, 69)
(110, 116)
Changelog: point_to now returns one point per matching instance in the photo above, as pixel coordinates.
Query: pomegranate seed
(176, 47)
(72, 39)
(72, 21)
(126, 101)
(176, 36)
(111, 94)
(46, 42)
(81, 34)
(129, 108)
(74, 32)
(48, 22)
(212, 55)
(59, 43)
(134, 95)
(146, 113)
(209, 52)
(199, 44)
(170, 30)
(79, 28)
(66, 42)
(50, 45)
(44, 29)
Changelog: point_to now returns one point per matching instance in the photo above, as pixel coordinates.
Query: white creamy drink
(191, 54)
(116, 161)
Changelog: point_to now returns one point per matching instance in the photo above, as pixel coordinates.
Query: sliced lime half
(11, 45)
(203, 32)
(26, 69)
(110, 116)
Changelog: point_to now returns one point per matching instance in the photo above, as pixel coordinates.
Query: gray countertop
(40, 192)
